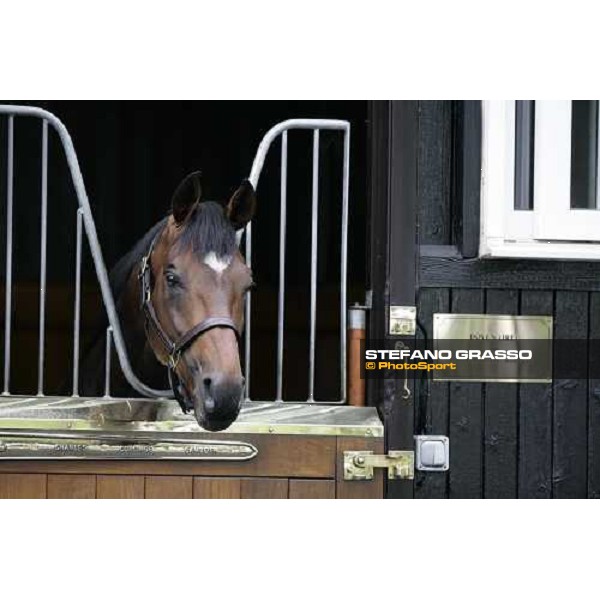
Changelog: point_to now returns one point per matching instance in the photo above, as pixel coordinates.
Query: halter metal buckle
(144, 266)
(174, 359)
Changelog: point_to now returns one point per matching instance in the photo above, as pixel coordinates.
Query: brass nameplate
(507, 331)
(491, 327)
(22, 444)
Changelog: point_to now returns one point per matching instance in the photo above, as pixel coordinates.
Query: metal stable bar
(92, 235)
(43, 258)
(313, 267)
(77, 304)
(9, 249)
(107, 364)
(247, 346)
(344, 269)
(281, 298)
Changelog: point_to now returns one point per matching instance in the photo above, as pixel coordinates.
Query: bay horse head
(194, 283)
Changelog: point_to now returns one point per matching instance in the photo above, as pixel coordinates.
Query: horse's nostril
(207, 381)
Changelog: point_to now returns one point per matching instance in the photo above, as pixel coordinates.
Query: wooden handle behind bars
(356, 333)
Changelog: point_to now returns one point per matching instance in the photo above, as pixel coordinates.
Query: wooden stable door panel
(15, 485)
(217, 487)
(287, 466)
(264, 488)
(305, 489)
(72, 486)
(168, 487)
(120, 486)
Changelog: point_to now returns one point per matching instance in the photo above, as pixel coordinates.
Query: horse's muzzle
(217, 401)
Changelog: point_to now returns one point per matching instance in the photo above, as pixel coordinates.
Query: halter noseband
(174, 348)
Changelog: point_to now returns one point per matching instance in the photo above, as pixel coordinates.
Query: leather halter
(175, 348)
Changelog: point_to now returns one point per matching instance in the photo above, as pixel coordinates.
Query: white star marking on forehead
(216, 263)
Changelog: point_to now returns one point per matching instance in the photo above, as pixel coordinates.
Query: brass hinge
(403, 320)
(359, 465)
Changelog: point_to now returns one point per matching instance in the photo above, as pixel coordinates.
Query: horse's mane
(120, 273)
(206, 230)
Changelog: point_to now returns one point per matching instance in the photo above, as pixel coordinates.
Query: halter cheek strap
(174, 349)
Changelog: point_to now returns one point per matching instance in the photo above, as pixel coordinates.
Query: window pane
(524, 137)
(584, 154)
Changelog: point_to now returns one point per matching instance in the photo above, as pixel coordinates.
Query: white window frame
(552, 230)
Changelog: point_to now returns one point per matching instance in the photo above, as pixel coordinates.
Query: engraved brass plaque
(27, 444)
(497, 332)
(491, 327)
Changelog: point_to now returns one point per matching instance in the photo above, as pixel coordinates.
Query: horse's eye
(172, 280)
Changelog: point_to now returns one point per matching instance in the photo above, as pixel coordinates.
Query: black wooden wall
(506, 440)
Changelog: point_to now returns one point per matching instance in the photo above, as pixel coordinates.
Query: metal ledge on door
(126, 416)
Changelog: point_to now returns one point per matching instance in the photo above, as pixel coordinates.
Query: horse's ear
(242, 205)
(186, 196)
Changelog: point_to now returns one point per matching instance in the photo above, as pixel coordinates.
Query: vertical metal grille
(282, 129)
(84, 222)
